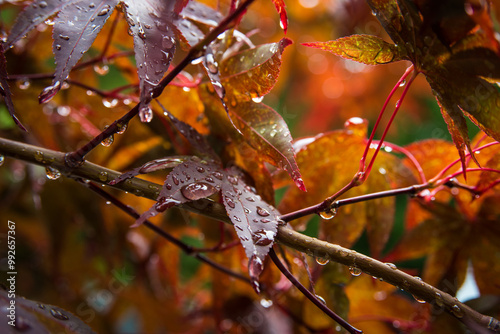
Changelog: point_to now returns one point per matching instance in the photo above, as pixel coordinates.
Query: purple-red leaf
(152, 27)
(5, 90)
(255, 221)
(198, 142)
(32, 16)
(201, 13)
(75, 29)
(189, 181)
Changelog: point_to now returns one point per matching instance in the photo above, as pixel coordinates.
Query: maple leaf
(154, 25)
(254, 220)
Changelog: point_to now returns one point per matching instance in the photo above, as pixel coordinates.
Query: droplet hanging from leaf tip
(49, 92)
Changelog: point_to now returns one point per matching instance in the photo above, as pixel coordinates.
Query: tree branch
(286, 236)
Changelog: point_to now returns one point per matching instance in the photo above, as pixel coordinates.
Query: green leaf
(366, 49)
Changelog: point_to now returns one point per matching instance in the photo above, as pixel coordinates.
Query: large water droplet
(175, 179)
(197, 190)
(212, 65)
(328, 214)
(146, 113)
(322, 260)
(58, 314)
(355, 271)
(52, 173)
(121, 128)
(263, 237)
(262, 212)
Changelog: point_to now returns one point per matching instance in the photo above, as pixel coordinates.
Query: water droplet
(266, 303)
(391, 265)
(328, 214)
(104, 11)
(355, 271)
(402, 83)
(236, 218)
(197, 190)
(230, 203)
(257, 99)
(49, 92)
(175, 179)
(42, 4)
(107, 142)
(121, 128)
(101, 69)
(168, 186)
(39, 156)
(109, 103)
(262, 212)
(218, 175)
(52, 173)
(250, 199)
(321, 299)
(439, 299)
(23, 84)
(58, 314)
(165, 203)
(146, 113)
(167, 42)
(322, 260)
(2, 159)
(200, 169)
(232, 179)
(103, 176)
(457, 311)
(263, 237)
(211, 64)
(41, 306)
(419, 300)
(65, 37)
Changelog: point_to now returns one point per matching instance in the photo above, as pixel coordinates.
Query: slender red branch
(311, 296)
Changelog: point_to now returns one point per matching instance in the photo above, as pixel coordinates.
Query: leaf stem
(311, 296)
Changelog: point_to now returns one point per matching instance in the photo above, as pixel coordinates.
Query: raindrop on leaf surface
(262, 212)
(58, 314)
(197, 190)
(52, 173)
(230, 203)
(263, 237)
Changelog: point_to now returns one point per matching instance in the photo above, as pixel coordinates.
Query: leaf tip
(49, 92)
(255, 267)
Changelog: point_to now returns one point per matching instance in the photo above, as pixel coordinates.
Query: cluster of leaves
(224, 144)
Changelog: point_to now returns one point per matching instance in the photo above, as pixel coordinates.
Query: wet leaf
(266, 131)
(366, 49)
(34, 317)
(189, 181)
(252, 73)
(75, 29)
(151, 166)
(5, 92)
(254, 220)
